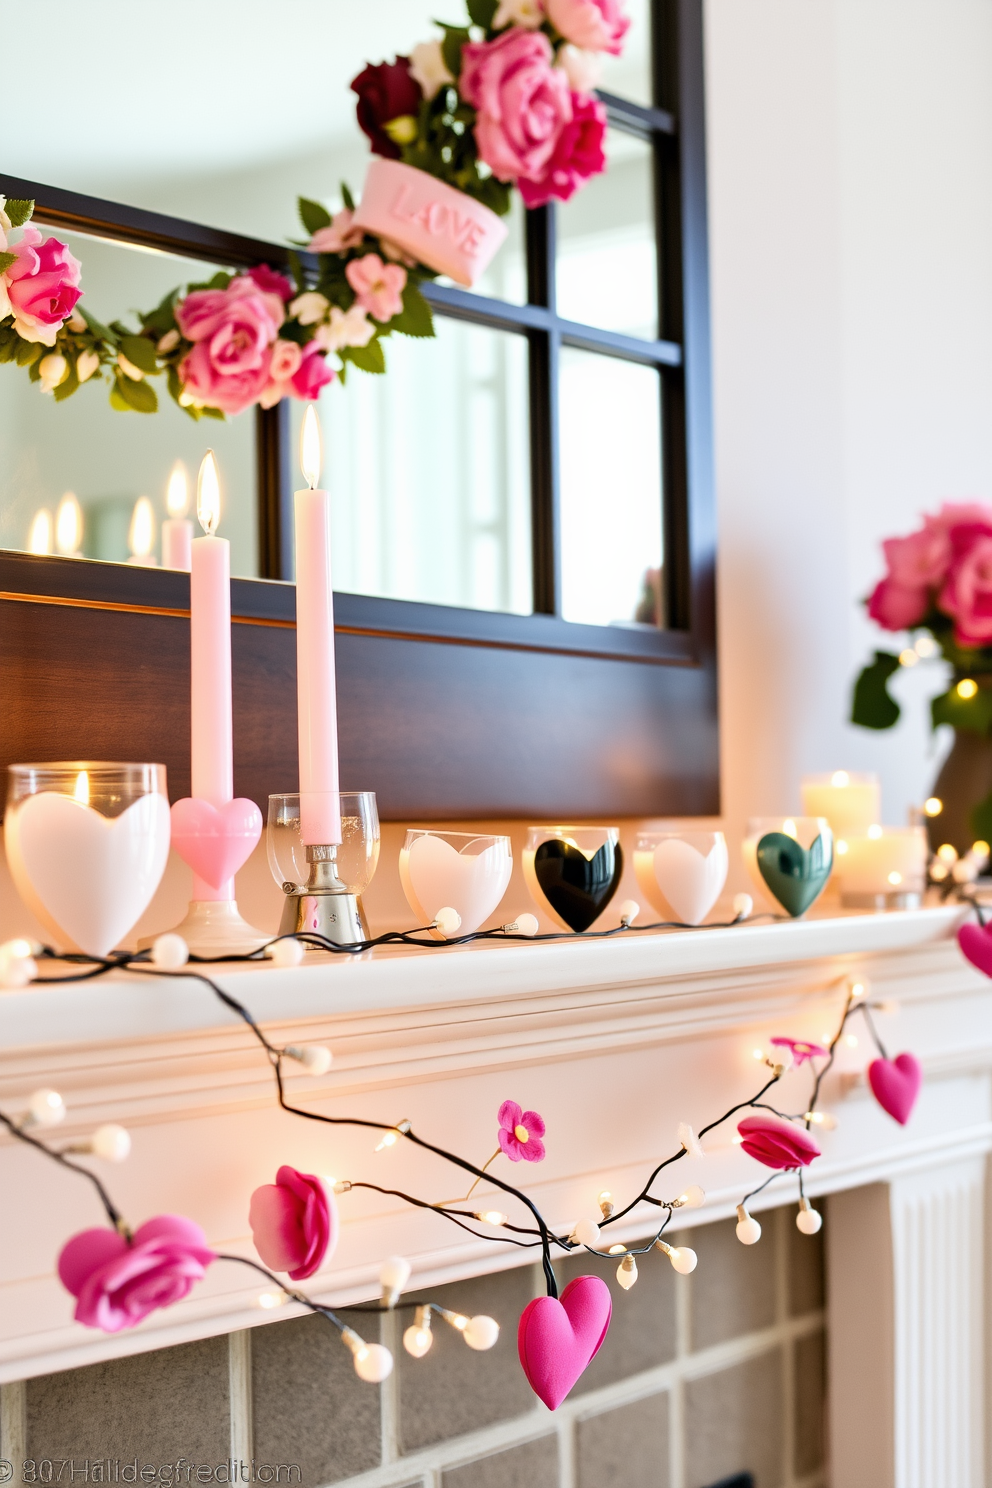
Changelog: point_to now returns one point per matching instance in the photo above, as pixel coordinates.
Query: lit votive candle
(850, 802)
(884, 869)
(177, 530)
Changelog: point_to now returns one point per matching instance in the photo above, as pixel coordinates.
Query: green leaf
(347, 197)
(69, 386)
(136, 395)
(455, 37)
(214, 413)
(972, 714)
(415, 319)
(220, 280)
(163, 317)
(99, 330)
(8, 344)
(313, 215)
(366, 358)
(18, 210)
(482, 12)
(6, 259)
(28, 352)
(116, 401)
(140, 351)
(871, 706)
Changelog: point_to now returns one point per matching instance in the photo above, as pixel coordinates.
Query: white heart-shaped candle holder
(87, 844)
(681, 874)
(461, 870)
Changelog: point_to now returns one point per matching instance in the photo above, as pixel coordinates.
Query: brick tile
(733, 1287)
(733, 1423)
(534, 1465)
(806, 1269)
(810, 1366)
(628, 1445)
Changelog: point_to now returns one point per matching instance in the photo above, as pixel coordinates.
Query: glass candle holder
(681, 874)
(789, 858)
(465, 871)
(356, 857)
(573, 872)
(884, 869)
(850, 801)
(87, 843)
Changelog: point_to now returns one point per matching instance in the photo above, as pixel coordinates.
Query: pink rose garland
(42, 286)
(947, 563)
(523, 102)
(593, 25)
(117, 1283)
(578, 155)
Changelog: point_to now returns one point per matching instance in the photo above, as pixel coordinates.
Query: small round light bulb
(743, 906)
(287, 951)
(373, 1363)
(111, 1142)
(47, 1107)
(683, 1259)
(627, 1272)
(448, 921)
(586, 1232)
(170, 952)
(417, 1341)
(748, 1229)
(481, 1332)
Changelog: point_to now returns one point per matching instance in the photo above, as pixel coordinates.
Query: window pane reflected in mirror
(611, 497)
(629, 75)
(430, 465)
(110, 459)
(607, 262)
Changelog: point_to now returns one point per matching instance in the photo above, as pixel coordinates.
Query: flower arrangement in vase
(938, 587)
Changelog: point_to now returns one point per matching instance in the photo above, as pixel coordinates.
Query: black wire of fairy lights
(542, 1235)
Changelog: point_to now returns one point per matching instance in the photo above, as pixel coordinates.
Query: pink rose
(286, 359)
(312, 374)
(921, 558)
(294, 1223)
(339, 236)
(232, 330)
(896, 606)
(270, 281)
(42, 286)
(217, 387)
(378, 286)
(577, 156)
(967, 592)
(777, 1143)
(523, 102)
(593, 25)
(117, 1283)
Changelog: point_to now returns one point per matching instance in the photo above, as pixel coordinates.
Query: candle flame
(40, 536)
(208, 494)
(141, 537)
(311, 453)
(68, 525)
(81, 792)
(840, 778)
(177, 492)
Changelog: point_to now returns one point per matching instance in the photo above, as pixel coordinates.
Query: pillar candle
(320, 811)
(177, 542)
(851, 803)
(887, 860)
(210, 662)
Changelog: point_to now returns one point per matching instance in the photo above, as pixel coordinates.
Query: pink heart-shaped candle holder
(215, 841)
(895, 1084)
(559, 1337)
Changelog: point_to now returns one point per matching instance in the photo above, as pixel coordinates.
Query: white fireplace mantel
(613, 1041)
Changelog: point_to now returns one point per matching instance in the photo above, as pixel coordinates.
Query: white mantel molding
(613, 1041)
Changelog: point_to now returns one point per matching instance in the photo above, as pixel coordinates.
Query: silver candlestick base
(324, 905)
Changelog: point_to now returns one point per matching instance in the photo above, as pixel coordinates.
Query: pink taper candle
(320, 812)
(210, 657)
(177, 532)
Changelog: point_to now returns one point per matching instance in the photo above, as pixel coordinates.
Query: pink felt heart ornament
(976, 945)
(215, 841)
(895, 1084)
(558, 1337)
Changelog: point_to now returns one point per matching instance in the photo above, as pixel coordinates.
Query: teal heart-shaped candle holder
(795, 875)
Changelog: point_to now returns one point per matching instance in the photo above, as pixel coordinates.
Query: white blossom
(428, 67)
(87, 363)
(310, 308)
(346, 328)
(526, 13)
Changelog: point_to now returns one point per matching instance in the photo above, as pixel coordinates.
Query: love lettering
(440, 220)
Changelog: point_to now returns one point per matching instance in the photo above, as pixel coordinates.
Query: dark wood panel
(437, 730)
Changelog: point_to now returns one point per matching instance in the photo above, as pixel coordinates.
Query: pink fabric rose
(777, 1143)
(42, 286)
(270, 281)
(339, 236)
(232, 330)
(312, 374)
(800, 1049)
(593, 25)
(294, 1223)
(895, 607)
(378, 286)
(117, 1284)
(286, 359)
(523, 102)
(967, 592)
(578, 155)
(520, 1133)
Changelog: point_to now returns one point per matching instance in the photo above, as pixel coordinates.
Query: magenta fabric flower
(800, 1049)
(777, 1143)
(593, 25)
(312, 374)
(378, 286)
(117, 1284)
(578, 155)
(232, 330)
(523, 102)
(339, 236)
(967, 592)
(294, 1223)
(42, 286)
(895, 607)
(520, 1133)
(270, 281)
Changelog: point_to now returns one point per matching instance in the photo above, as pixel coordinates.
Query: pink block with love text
(442, 227)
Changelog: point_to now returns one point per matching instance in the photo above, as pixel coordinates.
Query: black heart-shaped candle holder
(573, 872)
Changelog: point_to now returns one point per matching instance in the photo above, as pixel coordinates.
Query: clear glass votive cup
(681, 874)
(789, 859)
(572, 873)
(357, 854)
(465, 871)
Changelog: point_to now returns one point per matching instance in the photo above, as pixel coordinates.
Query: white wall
(850, 160)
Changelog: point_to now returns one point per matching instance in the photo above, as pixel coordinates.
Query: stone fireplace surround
(614, 1042)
